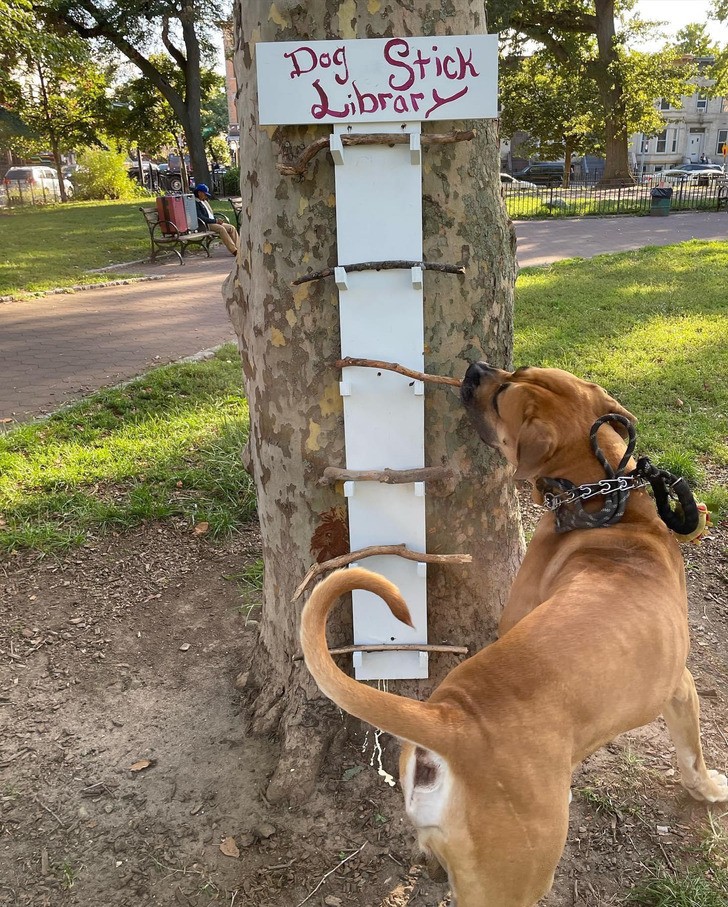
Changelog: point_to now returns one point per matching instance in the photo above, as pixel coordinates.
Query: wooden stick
(396, 367)
(300, 165)
(373, 550)
(403, 647)
(333, 474)
(399, 264)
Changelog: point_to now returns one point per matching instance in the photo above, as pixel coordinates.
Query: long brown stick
(404, 647)
(396, 367)
(334, 474)
(395, 265)
(400, 550)
(300, 165)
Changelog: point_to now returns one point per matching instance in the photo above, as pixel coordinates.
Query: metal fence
(591, 200)
(22, 192)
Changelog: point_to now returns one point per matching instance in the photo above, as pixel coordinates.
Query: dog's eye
(497, 394)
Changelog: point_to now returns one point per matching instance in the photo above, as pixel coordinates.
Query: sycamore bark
(289, 340)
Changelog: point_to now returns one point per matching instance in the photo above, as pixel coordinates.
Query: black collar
(675, 502)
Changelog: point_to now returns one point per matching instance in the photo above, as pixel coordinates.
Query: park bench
(175, 241)
(236, 203)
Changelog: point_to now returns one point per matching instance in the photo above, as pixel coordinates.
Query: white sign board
(378, 80)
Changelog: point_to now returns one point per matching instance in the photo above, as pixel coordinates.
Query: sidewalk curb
(78, 288)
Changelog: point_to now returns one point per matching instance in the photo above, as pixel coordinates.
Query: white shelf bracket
(415, 148)
(357, 659)
(349, 489)
(340, 278)
(336, 147)
(421, 568)
(419, 489)
(345, 388)
(418, 388)
(416, 278)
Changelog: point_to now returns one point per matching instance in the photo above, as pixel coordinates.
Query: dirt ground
(127, 777)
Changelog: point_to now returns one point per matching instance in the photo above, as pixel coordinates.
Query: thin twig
(372, 551)
(338, 865)
(50, 811)
(401, 647)
(333, 474)
(350, 361)
(300, 165)
(394, 265)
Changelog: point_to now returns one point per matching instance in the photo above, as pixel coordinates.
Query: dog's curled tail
(422, 723)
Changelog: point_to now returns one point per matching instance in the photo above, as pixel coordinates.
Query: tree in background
(554, 103)
(186, 30)
(289, 338)
(142, 118)
(626, 83)
(61, 96)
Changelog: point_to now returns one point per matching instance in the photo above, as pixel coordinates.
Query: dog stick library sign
(377, 88)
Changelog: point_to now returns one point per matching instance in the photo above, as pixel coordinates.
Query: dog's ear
(536, 443)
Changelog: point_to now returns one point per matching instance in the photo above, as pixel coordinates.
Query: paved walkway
(58, 348)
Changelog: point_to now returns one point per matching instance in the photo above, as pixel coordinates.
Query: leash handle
(684, 519)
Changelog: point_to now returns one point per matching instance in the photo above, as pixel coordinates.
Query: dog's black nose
(474, 375)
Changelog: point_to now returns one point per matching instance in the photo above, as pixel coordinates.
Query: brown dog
(594, 641)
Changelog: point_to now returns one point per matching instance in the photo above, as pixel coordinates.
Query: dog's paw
(711, 789)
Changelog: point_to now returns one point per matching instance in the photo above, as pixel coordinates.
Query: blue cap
(201, 187)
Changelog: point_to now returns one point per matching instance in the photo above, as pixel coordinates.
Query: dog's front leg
(682, 714)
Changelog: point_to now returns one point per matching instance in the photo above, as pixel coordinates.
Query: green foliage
(694, 39)
(231, 181)
(218, 149)
(554, 102)
(60, 94)
(698, 886)
(103, 175)
(142, 117)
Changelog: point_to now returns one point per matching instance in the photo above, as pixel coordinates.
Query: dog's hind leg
(682, 714)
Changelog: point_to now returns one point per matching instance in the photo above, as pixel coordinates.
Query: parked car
(692, 166)
(681, 175)
(510, 182)
(35, 183)
(543, 173)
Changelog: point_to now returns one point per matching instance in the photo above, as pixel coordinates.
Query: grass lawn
(166, 445)
(50, 246)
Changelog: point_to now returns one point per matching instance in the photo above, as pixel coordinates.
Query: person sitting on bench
(205, 215)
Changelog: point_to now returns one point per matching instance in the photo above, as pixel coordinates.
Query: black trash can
(661, 200)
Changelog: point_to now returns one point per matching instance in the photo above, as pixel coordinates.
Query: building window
(702, 102)
(722, 140)
(664, 104)
(666, 142)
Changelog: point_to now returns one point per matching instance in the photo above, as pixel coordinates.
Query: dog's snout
(476, 372)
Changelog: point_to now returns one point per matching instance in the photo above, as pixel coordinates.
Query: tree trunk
(610, 85)
(289, 338)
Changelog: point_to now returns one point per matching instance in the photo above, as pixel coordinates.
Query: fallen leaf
(229, 847)
(5, 421)
(201, 528)
(141, 764)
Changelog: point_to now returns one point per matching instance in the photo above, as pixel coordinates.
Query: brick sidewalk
(58, 348)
